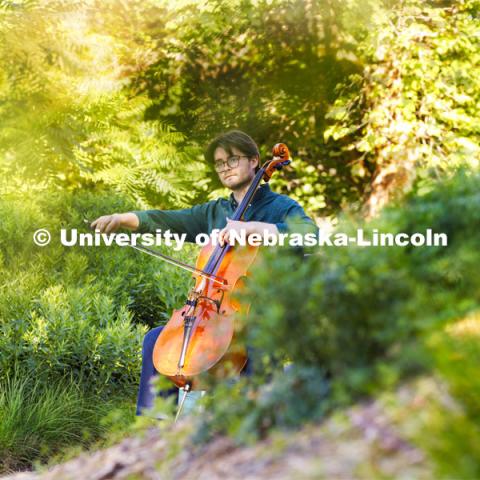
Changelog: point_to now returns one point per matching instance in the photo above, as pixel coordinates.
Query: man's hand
(249, 227)
(111, 223)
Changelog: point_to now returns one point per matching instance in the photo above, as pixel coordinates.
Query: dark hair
(234, 138)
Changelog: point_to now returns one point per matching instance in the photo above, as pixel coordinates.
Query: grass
(40, 420)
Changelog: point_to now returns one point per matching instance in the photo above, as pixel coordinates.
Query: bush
(77, 311)
(72, 322)
(354, 305)
(452, 434)
(250, 408)
(362, 316)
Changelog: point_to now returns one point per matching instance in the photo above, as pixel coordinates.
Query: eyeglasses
(231, 162)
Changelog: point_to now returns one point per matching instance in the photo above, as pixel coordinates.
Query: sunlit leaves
(66, 116)
(418, 105)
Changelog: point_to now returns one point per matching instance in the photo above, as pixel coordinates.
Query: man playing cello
(236, 159)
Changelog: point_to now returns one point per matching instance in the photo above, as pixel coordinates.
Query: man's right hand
(111, 223)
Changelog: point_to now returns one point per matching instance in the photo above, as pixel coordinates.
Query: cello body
(214, 328)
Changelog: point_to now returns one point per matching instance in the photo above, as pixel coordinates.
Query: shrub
(77, 311)
(452, 435)
(361, 316)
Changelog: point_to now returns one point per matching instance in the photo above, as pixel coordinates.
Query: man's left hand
(249, 227)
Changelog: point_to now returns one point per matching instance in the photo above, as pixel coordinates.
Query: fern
(67, 118)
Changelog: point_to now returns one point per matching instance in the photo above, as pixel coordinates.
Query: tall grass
(38, 420)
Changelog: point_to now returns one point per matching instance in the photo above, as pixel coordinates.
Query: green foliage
(66, 117)
(75, 311)
(272, 72)
(71, 313)
(40, 419)
(364, 319)
(414, 110)
(250, 408)
(74, 145)
(453, 436)
(103, 106)
(363, 92)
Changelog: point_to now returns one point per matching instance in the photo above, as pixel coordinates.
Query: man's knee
(150, 339)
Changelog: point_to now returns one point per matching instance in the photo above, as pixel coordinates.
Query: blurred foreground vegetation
(356, 321)
(106, 107)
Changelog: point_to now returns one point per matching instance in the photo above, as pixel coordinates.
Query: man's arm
(111, 223)
(249, 227)
(295, 221)
(190, 221)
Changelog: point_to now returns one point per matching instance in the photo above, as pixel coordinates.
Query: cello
(199, 339)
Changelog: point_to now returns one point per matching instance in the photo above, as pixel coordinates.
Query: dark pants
(146, 393)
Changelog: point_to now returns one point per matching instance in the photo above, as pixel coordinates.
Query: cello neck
(242, 207)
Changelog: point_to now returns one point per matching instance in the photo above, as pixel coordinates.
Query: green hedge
(356, 321)
(76, 311)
